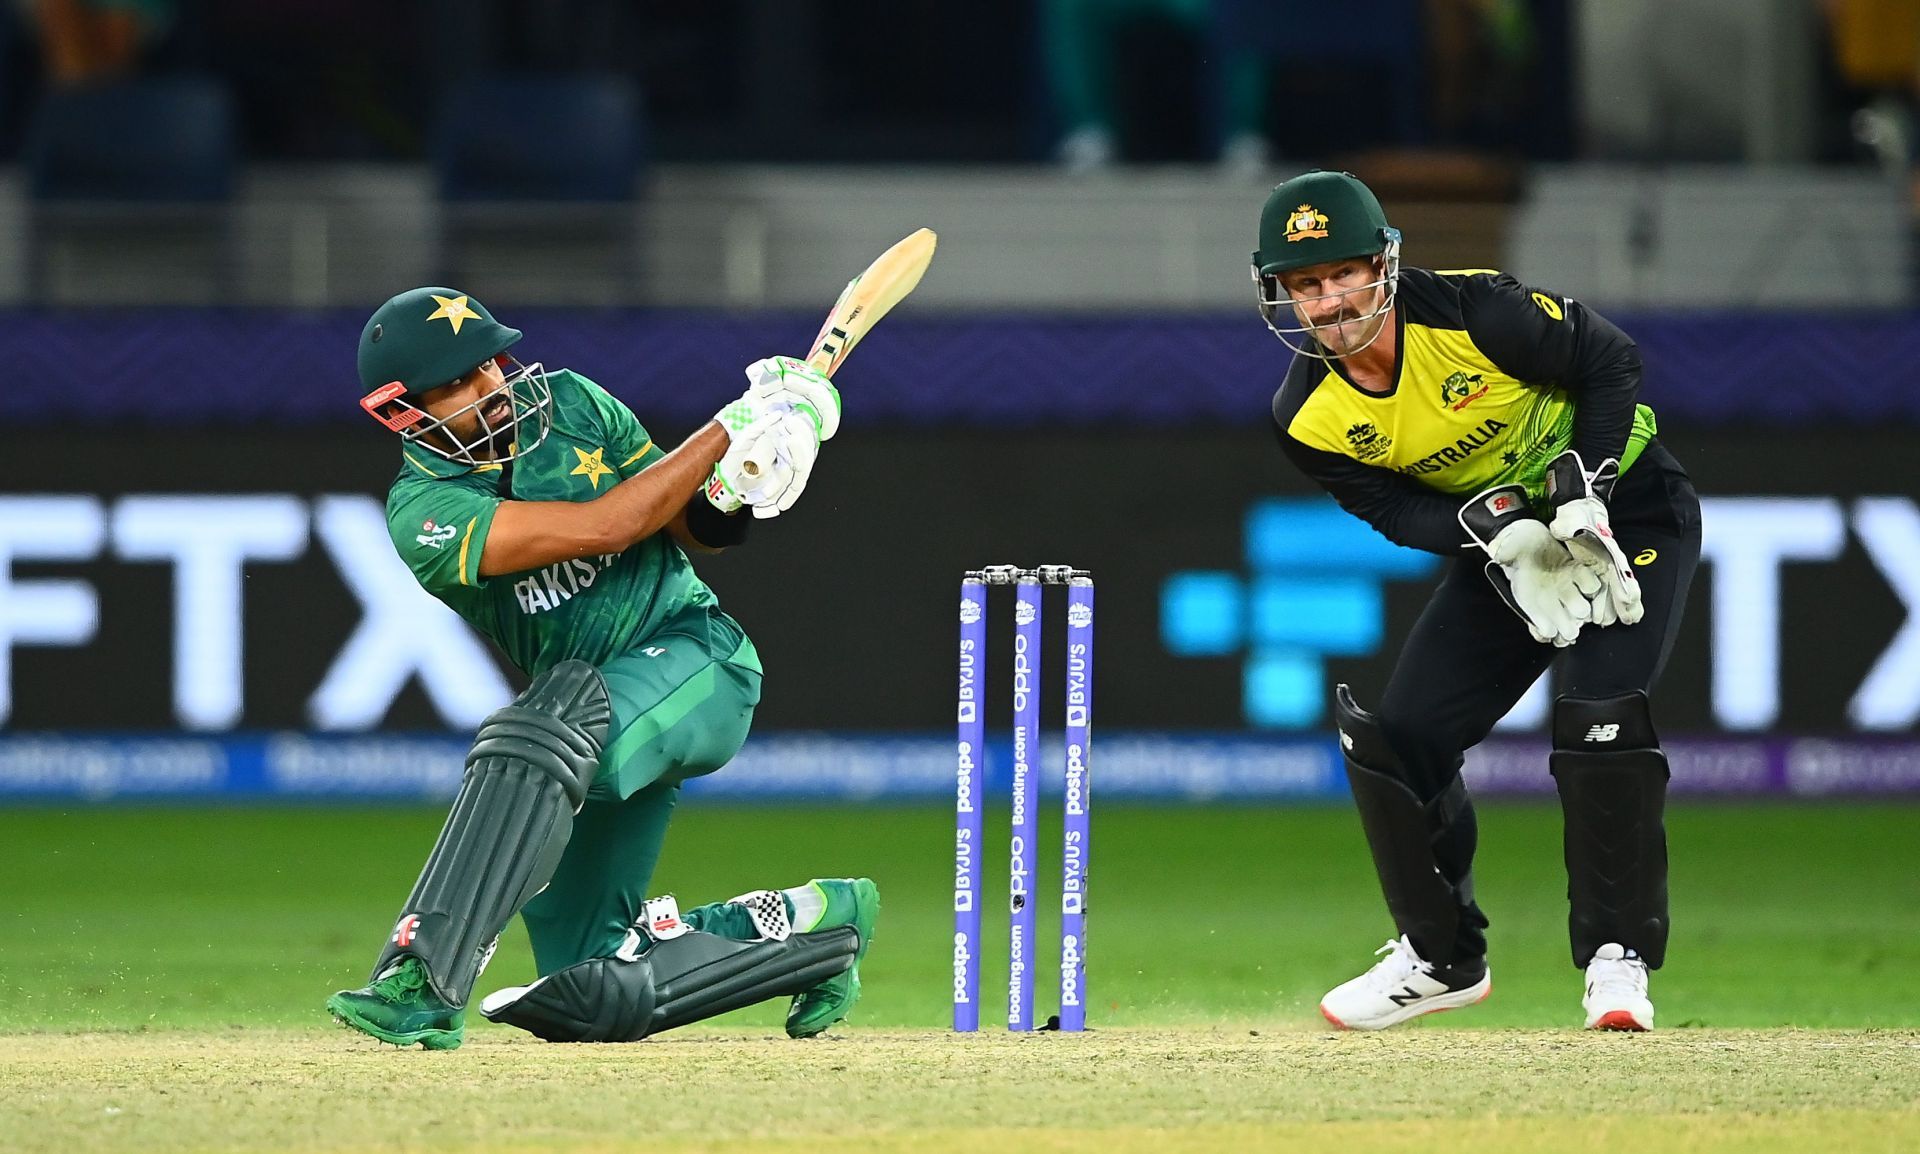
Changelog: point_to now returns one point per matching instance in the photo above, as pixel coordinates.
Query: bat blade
(869, 297)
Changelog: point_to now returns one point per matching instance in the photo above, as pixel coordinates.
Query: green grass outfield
(162, 972)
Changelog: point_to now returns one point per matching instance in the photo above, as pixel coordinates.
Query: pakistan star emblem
(591, 467)
(452, 310)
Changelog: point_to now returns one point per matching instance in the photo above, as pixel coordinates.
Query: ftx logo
(1315, 588)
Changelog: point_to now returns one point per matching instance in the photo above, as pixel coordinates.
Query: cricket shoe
(1403, 985)
(849, 902)
(400, 1007)
(1616, 997)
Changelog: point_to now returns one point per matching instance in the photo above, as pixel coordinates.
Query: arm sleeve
(712, 528)
(440, 529)
(1543, 338)
(1401, 509)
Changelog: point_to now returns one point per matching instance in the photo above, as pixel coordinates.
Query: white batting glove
(790, 382)
(766, 467)
(1580, 519)
(740, 471)
(753, 470)
(795, 447)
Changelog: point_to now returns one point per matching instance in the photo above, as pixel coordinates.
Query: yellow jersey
(1492, 380)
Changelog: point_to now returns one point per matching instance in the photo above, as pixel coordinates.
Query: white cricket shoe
(1400, 986)
(1616, 997)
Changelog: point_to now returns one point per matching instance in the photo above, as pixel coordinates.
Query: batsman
(535, 505)
(1497, 425)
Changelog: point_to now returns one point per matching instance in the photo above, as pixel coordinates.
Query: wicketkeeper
(536, 506)
(1495, 424)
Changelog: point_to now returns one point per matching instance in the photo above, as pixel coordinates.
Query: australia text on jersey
(557, 584)
(1460, 450)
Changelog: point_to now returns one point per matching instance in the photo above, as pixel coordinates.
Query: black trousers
(1469, 657)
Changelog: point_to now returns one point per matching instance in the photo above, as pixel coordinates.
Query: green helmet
(429, 337)
(1314, 218)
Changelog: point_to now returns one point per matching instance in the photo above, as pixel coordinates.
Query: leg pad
(638, 993)
(1612, 780)
(1401, 832)
(527, 775)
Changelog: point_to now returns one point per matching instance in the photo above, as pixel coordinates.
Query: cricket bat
(867, 297)
(870, 296)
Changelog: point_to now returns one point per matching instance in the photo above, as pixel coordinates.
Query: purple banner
(241, 367)
(1804, 767)
(1135, 767)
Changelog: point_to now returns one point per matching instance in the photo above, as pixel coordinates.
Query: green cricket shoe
(850, 902)
(399, 1007)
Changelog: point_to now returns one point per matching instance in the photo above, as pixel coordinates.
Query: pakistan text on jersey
(555, 585)
(1459, 451)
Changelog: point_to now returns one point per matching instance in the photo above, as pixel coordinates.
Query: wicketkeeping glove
(1579, 501)
(1530, 569)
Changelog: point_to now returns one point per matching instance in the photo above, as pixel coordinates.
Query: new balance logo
(1407, 994)
(1603, 732)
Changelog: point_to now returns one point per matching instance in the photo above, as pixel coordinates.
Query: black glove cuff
(1568, 479)
(714, 529)
(1488, 512)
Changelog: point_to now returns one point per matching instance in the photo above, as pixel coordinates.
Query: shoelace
(409, 978)
(1400, 964)
(1626, 976)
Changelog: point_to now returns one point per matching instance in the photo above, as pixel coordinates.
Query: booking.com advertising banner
(222, 613)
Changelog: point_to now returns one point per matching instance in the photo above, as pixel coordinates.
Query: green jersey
(591, 608)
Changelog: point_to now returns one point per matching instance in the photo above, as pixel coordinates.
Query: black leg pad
(638, 993)
(1612, 779)
(1400, 832)
(527, 775)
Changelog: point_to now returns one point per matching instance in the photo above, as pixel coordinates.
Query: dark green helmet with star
(428, 338)
(1315, 218)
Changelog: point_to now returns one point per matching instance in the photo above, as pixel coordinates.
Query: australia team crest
(1462, 389)
(1306, 223)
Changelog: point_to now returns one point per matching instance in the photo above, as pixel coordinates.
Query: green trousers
(682, 705)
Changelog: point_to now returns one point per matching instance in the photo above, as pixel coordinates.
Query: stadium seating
(537, 178)
(1382, 39)
(129, 185)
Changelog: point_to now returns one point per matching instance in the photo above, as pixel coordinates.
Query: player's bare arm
(529, 534)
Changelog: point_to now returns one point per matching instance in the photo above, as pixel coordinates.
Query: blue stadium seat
(538, 177)
(521, 137)
(168, 139)
(1381, 39)
(130, 186)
